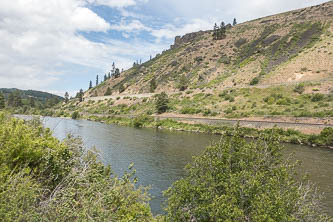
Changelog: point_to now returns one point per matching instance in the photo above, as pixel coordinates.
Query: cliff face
(190, 37)
(284, 49)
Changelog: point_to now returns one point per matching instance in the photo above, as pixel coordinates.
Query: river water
(159, 156)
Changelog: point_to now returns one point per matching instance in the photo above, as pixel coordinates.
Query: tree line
(15, 99)
(219, 32)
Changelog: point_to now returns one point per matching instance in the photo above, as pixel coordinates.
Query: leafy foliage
(237, 180)
(42, 179)
(162, 102)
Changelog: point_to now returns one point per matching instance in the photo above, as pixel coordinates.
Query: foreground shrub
(43, 179)
(237, 180)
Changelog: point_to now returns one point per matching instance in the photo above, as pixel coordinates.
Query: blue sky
(60, 45)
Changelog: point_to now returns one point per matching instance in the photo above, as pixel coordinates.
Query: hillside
(42, 96)
(277, 65)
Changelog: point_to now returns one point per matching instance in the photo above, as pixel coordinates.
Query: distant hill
(280, 65)
(289, 48)
(41, 96)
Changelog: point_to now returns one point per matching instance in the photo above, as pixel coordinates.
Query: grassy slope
(281, 51)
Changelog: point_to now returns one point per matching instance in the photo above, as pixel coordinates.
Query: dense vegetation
(240, 181)
(42, 179)
(28, 101)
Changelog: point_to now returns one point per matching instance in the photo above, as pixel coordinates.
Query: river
(159, 156)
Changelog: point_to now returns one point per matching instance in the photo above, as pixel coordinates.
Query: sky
(60, 45)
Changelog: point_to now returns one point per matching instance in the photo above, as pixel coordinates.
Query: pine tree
(90, 84)
(222, 31)
(109, 75)
(161, 104)
(235, 22)
(105, 77)
(117, 73)
(97, 80)
(153, 85)
(67, 96)
(215, 32)
(16, 100)
(79, 95)
(113, 68)
(2, 101)
(108, 92)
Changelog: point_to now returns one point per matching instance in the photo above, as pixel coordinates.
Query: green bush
(162, 102)
(189, 110)
(317, 97)
(254, 81)
(75, 115)
(43, 179)
(299, 88)
(238, 180)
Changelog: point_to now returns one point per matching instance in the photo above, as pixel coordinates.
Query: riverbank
(324, 139)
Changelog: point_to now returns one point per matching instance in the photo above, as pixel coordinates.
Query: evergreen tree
(183, 83)
(67, 96)
(109, 75)
(15, 99)
(215, 32)
(108, 92)
(235, 22)
(162, 103)
(97, 80)
(113, 68)
(222, 31)
(2, 101)
(153, 85)
(32, 102)
(90, 84)
(121, 88)
(117, 73)
(105, 77)
(79, 95)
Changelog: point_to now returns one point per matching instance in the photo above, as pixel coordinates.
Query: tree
(222, 31)
(234, 22)
(215, 32)
(79, 95)
(117, 73)
(97, 80)
(90, 84)
(239, 180)
(108, 92)
(105, 77)
(14, 99)
(32, 102)
(67, 96)
(162, 101)
(153, 85)
(183, 83)
(113, 68)
(2, 101)
(121, 88)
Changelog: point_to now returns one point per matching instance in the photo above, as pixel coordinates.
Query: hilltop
(280, 65)
(25, 94)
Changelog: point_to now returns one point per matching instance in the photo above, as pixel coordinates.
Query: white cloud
(170, 31)
(86, 20)
(134, 25)
(39, 39)
(113, 3)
